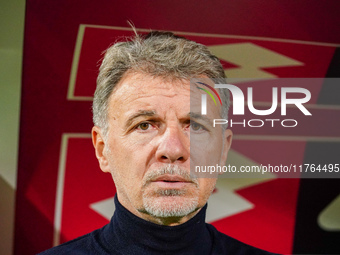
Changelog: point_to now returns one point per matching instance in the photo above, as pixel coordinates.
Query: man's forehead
(137, 92)
(145, 92)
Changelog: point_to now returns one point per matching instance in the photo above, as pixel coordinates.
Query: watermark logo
(239, 101)
(204, 97)
(281, 97)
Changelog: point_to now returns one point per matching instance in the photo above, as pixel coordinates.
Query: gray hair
(159, 54)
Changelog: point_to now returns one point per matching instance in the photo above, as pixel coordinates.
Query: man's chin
(170, 205)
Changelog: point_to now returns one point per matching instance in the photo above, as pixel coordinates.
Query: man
(147, 136)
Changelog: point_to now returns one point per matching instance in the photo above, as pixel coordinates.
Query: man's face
(147, 149)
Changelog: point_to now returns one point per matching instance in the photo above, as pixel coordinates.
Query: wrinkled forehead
(140, 90)
(139, 84)
(144, 92)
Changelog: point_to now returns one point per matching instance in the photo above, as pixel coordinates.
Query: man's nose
(174, 146)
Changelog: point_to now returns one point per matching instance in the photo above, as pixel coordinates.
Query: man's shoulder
(79, 246)
(224, 244)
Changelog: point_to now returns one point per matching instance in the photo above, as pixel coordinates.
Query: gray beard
(170, 208)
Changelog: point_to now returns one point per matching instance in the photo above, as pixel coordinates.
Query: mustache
(170, 170)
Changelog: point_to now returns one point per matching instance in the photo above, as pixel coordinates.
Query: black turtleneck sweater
(128, 234)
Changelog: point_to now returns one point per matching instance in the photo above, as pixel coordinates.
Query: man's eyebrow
(140, 113)
(198, 116)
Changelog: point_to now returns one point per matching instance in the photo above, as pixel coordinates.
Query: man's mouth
(171, 181)
(171, 178)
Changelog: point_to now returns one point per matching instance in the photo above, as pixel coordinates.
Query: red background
(51, 29)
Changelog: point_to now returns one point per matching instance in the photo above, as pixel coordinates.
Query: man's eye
(144, 126)
(195, 126)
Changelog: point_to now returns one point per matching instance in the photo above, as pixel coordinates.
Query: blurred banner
(62, 193)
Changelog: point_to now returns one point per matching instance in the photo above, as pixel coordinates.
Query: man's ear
(99, 146)
(228, 137)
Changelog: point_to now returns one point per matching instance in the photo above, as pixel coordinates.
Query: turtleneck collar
(133, 235)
